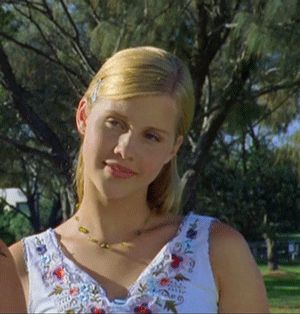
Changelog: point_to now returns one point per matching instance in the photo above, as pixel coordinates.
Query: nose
(125, 146)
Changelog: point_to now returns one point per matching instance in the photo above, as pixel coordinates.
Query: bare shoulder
(17, 252)
(10, 286)
(240, 283)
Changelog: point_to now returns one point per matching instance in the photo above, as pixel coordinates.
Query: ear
(175, 148)
(81, 116)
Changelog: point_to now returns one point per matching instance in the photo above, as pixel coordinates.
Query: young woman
(126, 250)
(11, 294)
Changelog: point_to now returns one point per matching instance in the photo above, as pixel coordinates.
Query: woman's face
(127, 142)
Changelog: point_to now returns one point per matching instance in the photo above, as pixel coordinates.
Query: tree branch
(74, 41)
(266, 115)
(76, 37)
(26, 149)
(94, 14)
(119, 40)
(276, 87)
(37, 6)
(229, 97)
(76, 89)
(209, 42)
(43, 54)
(38, 126)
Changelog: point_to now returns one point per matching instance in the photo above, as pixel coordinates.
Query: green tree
(49, 50)
(250, 188)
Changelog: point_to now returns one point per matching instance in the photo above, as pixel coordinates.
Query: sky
(281, 139)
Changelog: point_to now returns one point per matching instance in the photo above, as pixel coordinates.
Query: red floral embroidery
(164, 281)
(176, 271)
(176, 260)
(96, 310)
(59, 272)
(74, 291)
(142, 309)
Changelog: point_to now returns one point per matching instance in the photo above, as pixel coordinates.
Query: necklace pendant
(104, 245)
(83, 230)
(126, 244)
(93, 239)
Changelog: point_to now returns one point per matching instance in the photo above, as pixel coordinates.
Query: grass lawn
(283, 287)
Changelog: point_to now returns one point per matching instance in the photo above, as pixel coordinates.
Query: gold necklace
(103, 244)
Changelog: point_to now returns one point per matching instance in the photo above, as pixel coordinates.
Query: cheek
(152, 165)
(100, 136)
(95, 147)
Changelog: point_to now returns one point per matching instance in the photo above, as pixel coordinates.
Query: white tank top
(178, 280)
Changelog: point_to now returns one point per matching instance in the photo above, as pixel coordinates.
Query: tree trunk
(272, 254)
(33, 204)
(269, 236)
(65, 209)
(54, 217)
(227, 100)
(72, 197)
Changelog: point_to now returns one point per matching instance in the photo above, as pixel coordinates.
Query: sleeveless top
(178, 280)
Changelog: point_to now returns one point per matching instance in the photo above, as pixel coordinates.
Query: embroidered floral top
(178, 280)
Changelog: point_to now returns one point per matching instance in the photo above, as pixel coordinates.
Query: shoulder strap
(203, 253)
(36, 248)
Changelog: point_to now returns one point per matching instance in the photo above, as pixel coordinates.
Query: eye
(152, 137)
(114, 123)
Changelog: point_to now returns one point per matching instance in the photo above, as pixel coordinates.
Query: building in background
(14, 198)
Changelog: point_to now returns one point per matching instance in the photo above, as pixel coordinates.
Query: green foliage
(103, 39)
(246, 113)
(246, 186)
(266, 28)
(240, 183)
(13, 226)
(291, 150)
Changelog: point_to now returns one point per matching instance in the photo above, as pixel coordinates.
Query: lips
(119, 171)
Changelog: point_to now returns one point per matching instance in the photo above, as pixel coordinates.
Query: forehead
(158, 110)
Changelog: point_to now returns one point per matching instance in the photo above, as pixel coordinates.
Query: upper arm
(18, 256)
(12, 296)
(241, 287)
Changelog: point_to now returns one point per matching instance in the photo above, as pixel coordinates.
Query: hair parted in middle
(146, 71)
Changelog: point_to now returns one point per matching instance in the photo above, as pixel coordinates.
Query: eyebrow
(113, 112)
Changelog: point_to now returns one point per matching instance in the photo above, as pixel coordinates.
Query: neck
(115, 220)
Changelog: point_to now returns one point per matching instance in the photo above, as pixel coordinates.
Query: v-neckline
(143, 273)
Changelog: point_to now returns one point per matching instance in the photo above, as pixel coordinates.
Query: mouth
(119, 171)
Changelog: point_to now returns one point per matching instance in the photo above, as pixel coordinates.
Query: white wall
(13, 196)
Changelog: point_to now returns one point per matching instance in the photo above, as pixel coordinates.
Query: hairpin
(95, 91)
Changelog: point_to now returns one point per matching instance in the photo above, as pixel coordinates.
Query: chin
(121, 192)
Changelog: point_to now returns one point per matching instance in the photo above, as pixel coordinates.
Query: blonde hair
(144, 71)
